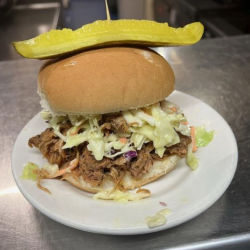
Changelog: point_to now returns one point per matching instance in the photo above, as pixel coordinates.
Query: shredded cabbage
(76, 120)
(160, 151)
(45, 114)
(120, 196)
(55, 121)
(156, 220)
(118, 145)
(76, 140)
(183, 129)
(192, 161)
(124, 149)
(158, 124)
(165, 211)
(130, 119)
(165, 135)
(51, 169)
(108, 146)
(203, 137)
(138, 113)
(64, 138)
(159, 219)
(28, 171)
(138, 140)
(96, 145)
(168, 107)
(146, 130)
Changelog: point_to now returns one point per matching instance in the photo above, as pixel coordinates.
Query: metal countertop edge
(215, 243)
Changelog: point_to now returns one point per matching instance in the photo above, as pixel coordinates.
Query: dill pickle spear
(105, 33)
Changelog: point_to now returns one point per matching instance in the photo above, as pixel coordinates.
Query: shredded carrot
(38, 183)
(173, 109)
(194, 148)
(184, 123)
(123, 140)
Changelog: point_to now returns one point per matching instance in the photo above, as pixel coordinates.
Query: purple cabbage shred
(130, 155)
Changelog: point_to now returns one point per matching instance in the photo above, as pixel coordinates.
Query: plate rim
(122, 231)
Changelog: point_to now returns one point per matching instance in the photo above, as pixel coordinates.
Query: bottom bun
(158, 169)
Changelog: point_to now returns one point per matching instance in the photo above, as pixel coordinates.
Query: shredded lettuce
(76, 140)
(183, 129)
(76, 120)
(138, 113)
(138, 140)
(160, 151)
(146, 130)
(165, 135)
(45, 114)
(111, 138)
(165, 211)
(120, 196)
(56, 120)
(156, 220)
(130, 119)
(74, 130)
(51, 169)
(28, 171)
(64, 138)
(96, 145)
(118, 145)
(159, 219)
(203, 137)
(175, 119)
(156, 123)
(192, 161)
(169, 107)
(108, 146)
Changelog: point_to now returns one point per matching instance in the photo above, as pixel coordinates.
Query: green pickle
(106, 33)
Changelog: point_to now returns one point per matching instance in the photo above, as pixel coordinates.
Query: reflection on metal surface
(170, 55)
(175, 59)
(42, 28)
(56, 18)
(223, 243)
(11, 190)
(19, 26)
(210, 69)
(41, 6)
(162, 51)
(37, 6)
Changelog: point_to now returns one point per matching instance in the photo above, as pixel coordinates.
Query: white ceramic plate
(187, 193)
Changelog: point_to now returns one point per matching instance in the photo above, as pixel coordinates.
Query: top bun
(104, 80)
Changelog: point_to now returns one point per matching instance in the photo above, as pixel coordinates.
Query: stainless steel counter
(215, 71)
(24, 22)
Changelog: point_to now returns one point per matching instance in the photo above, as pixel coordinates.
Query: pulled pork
(91, 169)
(94, 171)
(116, 123)
(142, 164)
(51, 147)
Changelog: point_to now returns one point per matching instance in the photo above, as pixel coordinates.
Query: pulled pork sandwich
(110, 127)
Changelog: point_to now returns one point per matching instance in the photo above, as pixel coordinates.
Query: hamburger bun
(158, 169)
(104, 80)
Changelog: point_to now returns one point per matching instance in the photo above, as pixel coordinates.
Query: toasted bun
(105, 80)
(158, 169)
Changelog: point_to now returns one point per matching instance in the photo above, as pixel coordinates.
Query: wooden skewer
(107, 11)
